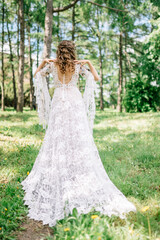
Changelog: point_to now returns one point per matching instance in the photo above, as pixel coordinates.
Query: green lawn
(129, 146)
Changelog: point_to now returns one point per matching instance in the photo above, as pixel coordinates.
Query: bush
(141, 96)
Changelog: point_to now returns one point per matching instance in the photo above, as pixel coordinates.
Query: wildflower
(94, 216)
(66, 229)
(72, 237)
(131, 230)
(99, 238)
(0, 228)
(5, 159)
(17, 187)
(5, 209)
(144, 209)
(27, 173)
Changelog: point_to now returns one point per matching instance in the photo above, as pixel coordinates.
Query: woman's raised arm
(92, 68)
(42, 65)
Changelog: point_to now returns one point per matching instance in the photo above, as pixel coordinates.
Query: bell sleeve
(41, 92)
(47, 69)
(91, 90)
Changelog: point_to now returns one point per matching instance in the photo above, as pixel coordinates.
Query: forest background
(120, 37)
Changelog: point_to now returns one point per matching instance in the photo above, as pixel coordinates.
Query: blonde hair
(66, 54)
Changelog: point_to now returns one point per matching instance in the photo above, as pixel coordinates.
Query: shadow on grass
(21, 160)
(16, 117)
(20, 131)
(107, 115)
(102, 133)
(111, 114)
(11, 115)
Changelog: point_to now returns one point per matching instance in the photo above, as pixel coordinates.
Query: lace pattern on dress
(91, 90)
(43, 99)
(68, 172)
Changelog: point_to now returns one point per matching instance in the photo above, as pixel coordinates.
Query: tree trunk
(100, 59)
(48, 32)
(21, 58)
(73, 23)
(38, 30)
(48, 29)
(58, 26)
(73, 33)
(3, 76)
(12, 66)
(18, 33)
(30, 69)
(125, 77)
(101, 81)
(120, 82)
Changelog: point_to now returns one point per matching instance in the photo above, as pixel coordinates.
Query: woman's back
(68, 74)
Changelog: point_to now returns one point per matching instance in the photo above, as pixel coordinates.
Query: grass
(129, 147)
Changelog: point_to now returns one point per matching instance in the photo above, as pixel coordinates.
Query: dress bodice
(52, 68)
(72, 82)
(64, 92)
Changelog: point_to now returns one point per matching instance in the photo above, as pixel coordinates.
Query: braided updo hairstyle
(66, 54)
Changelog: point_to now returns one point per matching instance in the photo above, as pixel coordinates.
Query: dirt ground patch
(33, 230)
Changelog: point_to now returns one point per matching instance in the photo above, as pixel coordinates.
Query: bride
(68, 172)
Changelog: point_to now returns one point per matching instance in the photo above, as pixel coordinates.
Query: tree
(120, 81)
(31, 92)
(48, 29)
(20, 102)
(73, 23)
(12, 64)
(2, 55)
(49, 24)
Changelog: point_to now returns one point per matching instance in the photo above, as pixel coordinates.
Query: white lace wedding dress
(68, 172)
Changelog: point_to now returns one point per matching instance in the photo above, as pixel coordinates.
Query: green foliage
(82, 227)
(141, 96)
(150, 60)
(143, 91)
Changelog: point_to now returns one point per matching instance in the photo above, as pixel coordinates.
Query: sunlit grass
(129, 146)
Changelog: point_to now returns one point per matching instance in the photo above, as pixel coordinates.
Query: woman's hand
(46, 61)
(43, 63)
(50, 60)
